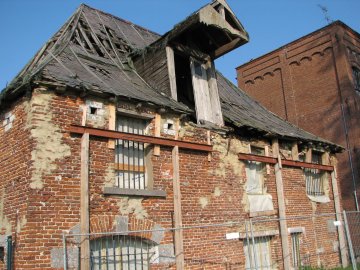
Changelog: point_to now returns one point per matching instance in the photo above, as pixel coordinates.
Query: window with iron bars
(130, 156)
(315, 177)
(122, 252)
(356, 75)
(295, 247)
(258, 253)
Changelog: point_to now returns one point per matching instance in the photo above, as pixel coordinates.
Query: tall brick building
(124, 149)
(314, 82)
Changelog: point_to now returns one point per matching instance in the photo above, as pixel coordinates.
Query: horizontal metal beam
(285, 162)
(110, 134)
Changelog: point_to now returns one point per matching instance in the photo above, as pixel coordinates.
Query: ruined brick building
(112, 134)
(314, 82)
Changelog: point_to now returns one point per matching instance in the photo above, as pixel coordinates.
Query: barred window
(130, 155)
(356, 75)
(122, 252)
(258, 253)
(295, 248)
(315, 177)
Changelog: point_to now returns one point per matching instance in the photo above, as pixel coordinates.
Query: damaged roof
(90, 53)
(241, 110)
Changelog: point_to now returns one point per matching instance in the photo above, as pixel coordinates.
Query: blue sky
(25, 25)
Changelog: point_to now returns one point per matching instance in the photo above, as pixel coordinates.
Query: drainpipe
(9, 254)
(348, 150)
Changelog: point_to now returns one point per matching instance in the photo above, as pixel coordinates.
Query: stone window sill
(319, 199)
(134, 192)
(263, 213)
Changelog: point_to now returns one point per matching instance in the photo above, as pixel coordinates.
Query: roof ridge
(121, 19)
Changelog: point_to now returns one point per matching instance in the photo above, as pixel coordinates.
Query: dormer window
(196, 86)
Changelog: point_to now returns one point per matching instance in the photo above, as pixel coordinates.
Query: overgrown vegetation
(321, 268)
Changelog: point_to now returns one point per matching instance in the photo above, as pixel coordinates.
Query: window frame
(260, 243)
(126, 163)
(260, 169)
(314, 178)
(199, 88)
(356, 79)
(126, 251)
(295, 249)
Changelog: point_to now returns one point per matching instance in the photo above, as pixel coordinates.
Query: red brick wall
(15, 155)
(314, 70)
(49, 197)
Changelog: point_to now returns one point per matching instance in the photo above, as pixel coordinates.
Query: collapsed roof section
(91, 53)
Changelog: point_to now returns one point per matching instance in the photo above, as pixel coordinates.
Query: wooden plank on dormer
(226, 48)
(222, 11)
(171, 69)
(201, 92)
(214, 94)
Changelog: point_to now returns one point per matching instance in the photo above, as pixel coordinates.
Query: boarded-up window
(255, 173)
(258, 254)
(207, 102)
(130, 155)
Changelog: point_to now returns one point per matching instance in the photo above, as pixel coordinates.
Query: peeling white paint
(4, 222)
(132, 205)
(229, 150)
(217, 192)
(47, 136)
(21, 223)
(110, 176)
(203, 201)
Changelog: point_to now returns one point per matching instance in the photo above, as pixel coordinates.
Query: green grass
(337, 268)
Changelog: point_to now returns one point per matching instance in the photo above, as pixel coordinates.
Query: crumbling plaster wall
(46, 136)
(213, 190)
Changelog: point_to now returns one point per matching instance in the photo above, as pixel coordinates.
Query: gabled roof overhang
(213, 30)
